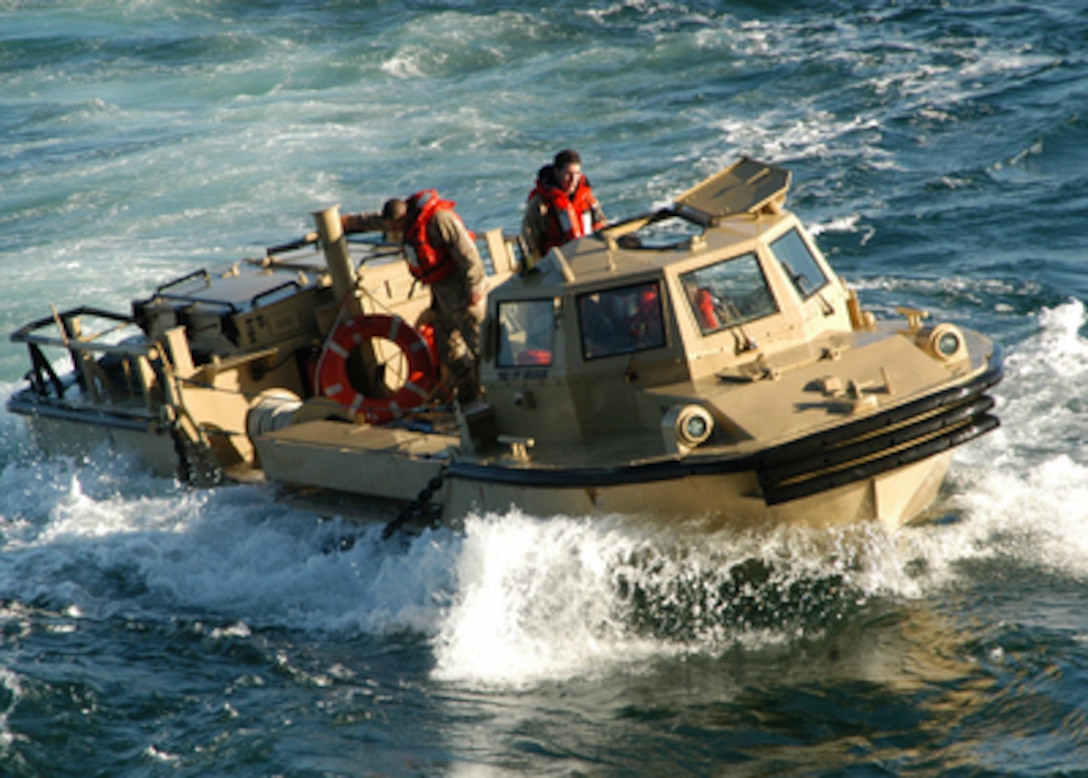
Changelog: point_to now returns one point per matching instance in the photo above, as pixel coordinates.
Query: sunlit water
(938, 151)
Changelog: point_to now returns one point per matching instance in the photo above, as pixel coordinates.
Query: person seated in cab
(561, 206)
(619, 321)
(441, 254)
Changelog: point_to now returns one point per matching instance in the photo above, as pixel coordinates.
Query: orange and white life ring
(333, 367)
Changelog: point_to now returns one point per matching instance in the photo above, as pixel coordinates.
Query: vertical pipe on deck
(337, 257)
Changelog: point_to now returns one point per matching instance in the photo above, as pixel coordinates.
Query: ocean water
(939, 150)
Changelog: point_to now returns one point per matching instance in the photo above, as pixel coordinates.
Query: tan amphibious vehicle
(699, 362)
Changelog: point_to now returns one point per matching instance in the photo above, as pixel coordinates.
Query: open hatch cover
(746, 186)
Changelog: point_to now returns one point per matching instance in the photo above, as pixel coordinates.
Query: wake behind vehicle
(699, 362)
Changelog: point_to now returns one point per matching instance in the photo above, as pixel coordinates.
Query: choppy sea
(940, 152)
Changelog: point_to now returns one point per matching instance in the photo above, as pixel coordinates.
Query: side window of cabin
(800, 265)
(620, 321)
(728, 293)
(526, 332)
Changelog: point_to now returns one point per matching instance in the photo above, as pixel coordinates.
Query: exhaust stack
(331, 236)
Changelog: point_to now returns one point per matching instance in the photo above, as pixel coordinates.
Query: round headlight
(694, 425)
(946, 342)
(695, 428)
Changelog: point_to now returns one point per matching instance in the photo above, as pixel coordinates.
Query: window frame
(504, 344)
(792, 274)
(735, 318)
(660, 340)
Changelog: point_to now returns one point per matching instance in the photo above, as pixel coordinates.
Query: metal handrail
(27, 334)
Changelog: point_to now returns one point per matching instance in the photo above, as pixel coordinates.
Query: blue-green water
(940, 151)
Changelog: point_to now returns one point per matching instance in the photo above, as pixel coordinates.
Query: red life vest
(569, 217)
(427, 262)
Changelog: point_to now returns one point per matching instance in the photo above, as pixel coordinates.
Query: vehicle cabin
(606, 333)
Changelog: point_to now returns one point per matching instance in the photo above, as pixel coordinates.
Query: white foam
(1024, 488)
(851, 224)
(13, 687)
(554, 598)
(533, 601)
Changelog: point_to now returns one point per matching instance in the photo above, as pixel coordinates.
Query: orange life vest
(569, 217)
(427, 262)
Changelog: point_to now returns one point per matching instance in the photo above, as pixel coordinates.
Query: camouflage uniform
(458, 302)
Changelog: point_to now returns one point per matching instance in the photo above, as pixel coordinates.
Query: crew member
(561, 206)
(441, 254)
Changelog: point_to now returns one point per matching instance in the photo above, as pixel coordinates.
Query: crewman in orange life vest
(561, 207)
(441, 254)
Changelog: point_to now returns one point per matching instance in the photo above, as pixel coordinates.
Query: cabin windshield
(800, 264)
(668, 232)
(526, 332)
(728, 293)
(662, 231)
(621, 321)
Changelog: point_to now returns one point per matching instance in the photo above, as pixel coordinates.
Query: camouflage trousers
(457, 335)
